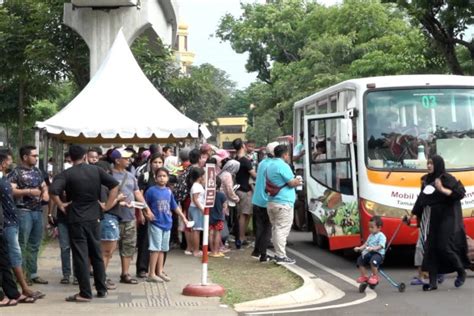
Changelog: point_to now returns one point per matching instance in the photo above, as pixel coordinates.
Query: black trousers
(263, 230)
(7, 282)
(85, 245)
(143, 254)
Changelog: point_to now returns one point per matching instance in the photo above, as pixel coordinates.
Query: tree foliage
(36, 52)
(299, 47)
(445, 22)
(265, 128)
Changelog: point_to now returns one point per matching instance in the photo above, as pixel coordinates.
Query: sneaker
(373, 280)
(188, 253)
(75, 282)
(362, 279)
(284, 260)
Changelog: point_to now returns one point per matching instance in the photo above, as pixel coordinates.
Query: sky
(202, 17)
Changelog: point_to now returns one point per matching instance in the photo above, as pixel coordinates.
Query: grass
(245, 279)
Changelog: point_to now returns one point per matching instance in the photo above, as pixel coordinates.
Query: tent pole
(37, 144)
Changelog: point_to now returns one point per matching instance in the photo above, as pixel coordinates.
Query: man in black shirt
(82, 185)
(242, 178)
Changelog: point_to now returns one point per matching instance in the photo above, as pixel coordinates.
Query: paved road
(447, 300)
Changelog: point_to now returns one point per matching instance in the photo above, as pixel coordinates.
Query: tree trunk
(21, 113)
(449, 52)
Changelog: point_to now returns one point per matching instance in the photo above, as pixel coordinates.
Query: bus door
(330, 175)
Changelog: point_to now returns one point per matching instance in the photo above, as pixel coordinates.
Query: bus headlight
(374, 208)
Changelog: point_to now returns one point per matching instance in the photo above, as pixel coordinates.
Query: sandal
(141, 274)
(26, 299)
(64, 281)
(37, 295)
(9, 303)
(127, 279)
(110, 285)
(77, 298)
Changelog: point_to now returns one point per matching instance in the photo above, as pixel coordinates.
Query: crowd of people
(145, 203)
(142, 202)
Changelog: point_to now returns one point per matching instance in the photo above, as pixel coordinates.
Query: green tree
(323, 46)
(36, 51)
(444, 22)
(265, 128)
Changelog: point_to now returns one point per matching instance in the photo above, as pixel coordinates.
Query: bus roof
(392, 82)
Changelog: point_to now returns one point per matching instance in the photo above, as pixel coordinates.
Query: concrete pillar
(99, 25)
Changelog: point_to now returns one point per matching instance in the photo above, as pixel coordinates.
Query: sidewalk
(160, 299)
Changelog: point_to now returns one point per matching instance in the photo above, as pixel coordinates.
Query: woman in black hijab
(445, 247)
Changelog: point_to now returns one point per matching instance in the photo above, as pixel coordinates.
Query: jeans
(14, 251)
(65, 246)
(30, 237)
(85, 246)
(8, 286)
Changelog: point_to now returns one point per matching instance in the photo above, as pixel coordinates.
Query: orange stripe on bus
(412, 179)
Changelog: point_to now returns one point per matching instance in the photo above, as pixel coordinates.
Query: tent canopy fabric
(120, 105)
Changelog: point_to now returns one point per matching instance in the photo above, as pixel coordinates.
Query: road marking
(369, 294)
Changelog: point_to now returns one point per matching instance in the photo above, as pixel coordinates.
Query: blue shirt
(10, 212)
(216, 213)
(377, 239)
(162, 202)
(280, 173)
(260, 197)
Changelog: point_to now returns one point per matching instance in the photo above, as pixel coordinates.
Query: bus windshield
(404, 126)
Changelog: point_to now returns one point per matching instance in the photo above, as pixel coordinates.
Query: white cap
(271, 148)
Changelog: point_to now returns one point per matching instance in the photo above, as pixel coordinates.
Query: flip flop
(77, 298)
(26, 300)
(10, 303)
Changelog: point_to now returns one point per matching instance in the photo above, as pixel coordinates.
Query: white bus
(367, 141)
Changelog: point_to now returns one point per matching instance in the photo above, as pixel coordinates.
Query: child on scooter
(373, 251)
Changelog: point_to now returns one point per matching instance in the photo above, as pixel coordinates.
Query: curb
(313, 291)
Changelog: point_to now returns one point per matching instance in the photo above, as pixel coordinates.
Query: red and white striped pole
(205, 247)
(205, 289)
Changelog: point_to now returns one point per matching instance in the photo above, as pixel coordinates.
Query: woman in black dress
(445, 246)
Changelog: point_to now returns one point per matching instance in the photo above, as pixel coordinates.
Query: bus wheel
(320, 240)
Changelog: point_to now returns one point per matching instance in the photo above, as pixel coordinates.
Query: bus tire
(320, 240)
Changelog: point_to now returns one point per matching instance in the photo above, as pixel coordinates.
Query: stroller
(400, 286)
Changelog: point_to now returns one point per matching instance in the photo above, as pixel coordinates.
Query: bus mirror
(346, 131)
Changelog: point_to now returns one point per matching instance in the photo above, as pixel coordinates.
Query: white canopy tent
(120, 105)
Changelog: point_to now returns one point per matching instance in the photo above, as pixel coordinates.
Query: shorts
(159, 239)
(219, 226)
(197, 216)
(128, 238)
(370, 259)
(244, 206)
(10, 234)
(109, 228)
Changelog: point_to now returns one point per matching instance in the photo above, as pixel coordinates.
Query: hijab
(438, 168)
(232, 166)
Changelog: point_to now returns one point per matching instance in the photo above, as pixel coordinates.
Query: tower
(184, 57)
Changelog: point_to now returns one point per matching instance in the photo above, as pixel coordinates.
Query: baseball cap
(271, 148)
(120, 153)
